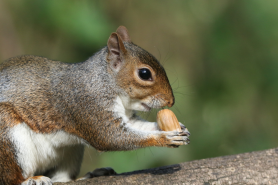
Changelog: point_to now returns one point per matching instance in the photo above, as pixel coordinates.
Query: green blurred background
(221, 57)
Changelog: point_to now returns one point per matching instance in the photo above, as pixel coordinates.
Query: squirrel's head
(138, 73)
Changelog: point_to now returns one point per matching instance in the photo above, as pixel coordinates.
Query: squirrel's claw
(184, 129)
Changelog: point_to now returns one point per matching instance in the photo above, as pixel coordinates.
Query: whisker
(177, 110)
(168, 55)
(172, 84)
(178, 87)
(159, 54)
(179, 93)
(150, 150)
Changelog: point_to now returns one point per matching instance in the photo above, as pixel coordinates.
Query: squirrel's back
(24, 75)
(29, 74)
(43, 91)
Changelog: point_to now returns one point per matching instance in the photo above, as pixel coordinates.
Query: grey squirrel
(50, 110)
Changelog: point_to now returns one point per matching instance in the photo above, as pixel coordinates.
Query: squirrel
(50, 110)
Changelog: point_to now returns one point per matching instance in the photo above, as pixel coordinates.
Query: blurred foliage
(220, 55)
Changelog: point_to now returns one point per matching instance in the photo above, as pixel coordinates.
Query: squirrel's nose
(171, 102)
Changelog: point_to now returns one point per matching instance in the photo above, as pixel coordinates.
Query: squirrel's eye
(145, 74)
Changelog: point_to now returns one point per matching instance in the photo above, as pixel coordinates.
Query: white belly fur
(38, 152)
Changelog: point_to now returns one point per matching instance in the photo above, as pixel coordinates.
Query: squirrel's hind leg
(10, 171)
(69, 167)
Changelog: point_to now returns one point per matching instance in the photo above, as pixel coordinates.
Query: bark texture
(249, 168)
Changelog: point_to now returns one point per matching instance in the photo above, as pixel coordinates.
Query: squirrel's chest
(37, 152)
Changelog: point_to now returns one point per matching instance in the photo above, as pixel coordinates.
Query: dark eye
(145, 74)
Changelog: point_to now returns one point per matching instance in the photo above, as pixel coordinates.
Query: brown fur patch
(10, 172)
(9, 115)
(153, 141)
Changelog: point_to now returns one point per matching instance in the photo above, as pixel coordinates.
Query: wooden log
(259, 167)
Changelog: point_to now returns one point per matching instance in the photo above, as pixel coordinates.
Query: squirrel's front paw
(37, 180)
(175, 139)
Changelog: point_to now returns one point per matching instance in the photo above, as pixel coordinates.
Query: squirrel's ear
(116, 51)
(122, 31)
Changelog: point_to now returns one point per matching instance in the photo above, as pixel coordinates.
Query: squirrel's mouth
(146, 107)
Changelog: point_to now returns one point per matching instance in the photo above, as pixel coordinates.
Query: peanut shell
(167, 121)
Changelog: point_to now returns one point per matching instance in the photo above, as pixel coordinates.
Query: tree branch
(249, 168)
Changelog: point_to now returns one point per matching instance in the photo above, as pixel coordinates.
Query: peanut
(167, 121)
